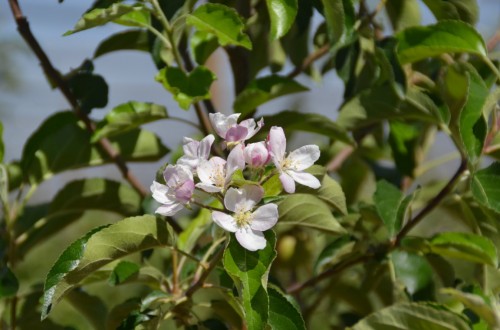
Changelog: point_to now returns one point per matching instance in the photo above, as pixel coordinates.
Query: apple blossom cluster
(241, 215)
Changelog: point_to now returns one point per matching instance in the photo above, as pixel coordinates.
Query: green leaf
(414, 272)
(74, 200)
(98, 248)
(90, 90)
(465, 246)
(187, 89)
(340, 19)
(403, 13)
(126, 40)
(485, 186)
(391, 205)
(282, 14)
(410, 316)
(221, 21)
(418, 43)
(333, 253)
(101, 16)
(309, 122)
(189, 237)
(465, 10)
(128, 116)
(404, 141)
(8, 282)
(250, 270)
(91, 307)
(123, 271)
(202, 45)
(262, 90)
(283, 315)
(307, 211)
(330, 192)
(15, 175)
(61, 143)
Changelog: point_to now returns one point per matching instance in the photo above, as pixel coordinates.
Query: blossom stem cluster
(244, 212)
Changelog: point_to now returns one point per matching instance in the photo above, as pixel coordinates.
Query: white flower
(234, 133)
(292, 167)
(256, 154)
(215, 174)
(195, 152)
(247, 224)
(177, 192)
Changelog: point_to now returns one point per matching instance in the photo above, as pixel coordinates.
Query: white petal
(208, 187)
(190, 147)
(207, 170)
(222, 123)
(253, 194)
(188, 161)
(235, 160)
(225, 221)
(169, 210)
(304, 157)
(250, 239)
(265, 217)
(160, 193)
(277, 143)
(176, 175)
(305, 179)
(205, 146)
(233, 198)
(252, 130)
(287, 183)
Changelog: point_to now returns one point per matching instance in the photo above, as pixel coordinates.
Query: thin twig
(319, 53)
(25, 31)
(339, 159)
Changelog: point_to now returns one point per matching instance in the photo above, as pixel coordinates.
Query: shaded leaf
(126, 40)
(61, 143)
(465, 246)
(485, 186)
(403, 13)
(414, 272)
(404, 141)
(309, 122)
(411, 316)
(202, 45)
(98, 248)
(250, 270)
(128, 116)
(418, 43)
(197, 226)
(340, 19)
(8, 282)
(465, 10)
(307, 211)
(391, 205)
(262, 90)
(334, 252)
(283, 315)
(187, 89)
(91, 307)
(123, 271)
(282, 14)
(221, 21)
(90, 90)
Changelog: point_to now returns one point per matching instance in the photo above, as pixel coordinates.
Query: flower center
(243, 219)
(218, 176)
(287, 163)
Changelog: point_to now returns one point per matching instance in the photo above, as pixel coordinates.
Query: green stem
(492, 66)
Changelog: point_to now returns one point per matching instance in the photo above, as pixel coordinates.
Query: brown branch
(339, 159)
(493, 41)
(25, 31)
(319, 53)
(200, 281)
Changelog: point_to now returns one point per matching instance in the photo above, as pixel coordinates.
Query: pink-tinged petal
(184, 192)
(253, 194)
(176, 175)
(169, 210)
(250, 239)
(256, 154)
(235, 161)
(208, 170)
(205, 146)
(160, 193)
(222, 123)
(287, 183)
(236, 133)
(277, 144)
(305, 179)
(232, 198)
(252, 129)
(303, 157)
(190, 147)
(225, 221)
(265, 217)
(208, 187)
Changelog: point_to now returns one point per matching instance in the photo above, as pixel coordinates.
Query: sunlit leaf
(465, 10)
(403, 13)
(128, 116)
(262, 90)
(123, 271)
(307, 211)
(282, 14)
(223, 22)
(250, 270)
(187, 89)
(418, 43)
(203, 44)
(98, 248)
(485, 186)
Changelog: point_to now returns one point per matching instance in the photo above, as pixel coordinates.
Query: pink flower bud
(256, 154)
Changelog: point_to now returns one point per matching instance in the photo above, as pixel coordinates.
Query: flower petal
(160, 193)
(208, 169)
(277, 144)
(190, 147)
(222, 123)
(184, 192)
(250, 124)
(225, 221)
(303, 157)
(236, 133)
(305, 179)
(169, 210)
(208, 187)
(205, 146)
(177, 174)
(287, 182)
(253, 194)
(235, 161)
(250, 239)
(265, 217)
(233, 198)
